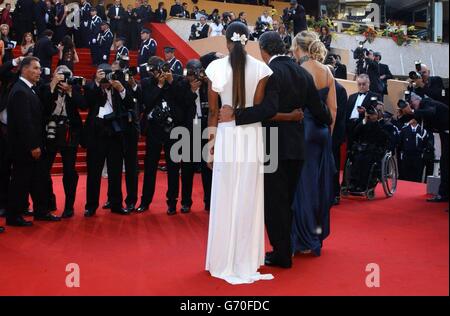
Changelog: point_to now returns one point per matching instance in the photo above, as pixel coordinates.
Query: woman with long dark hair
(236, 227)
(325, 36)
(67, 53)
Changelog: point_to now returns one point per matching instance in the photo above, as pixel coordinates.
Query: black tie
(360, 94)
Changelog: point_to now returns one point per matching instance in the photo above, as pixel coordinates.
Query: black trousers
(130, 157)
(28, 176)
(337, 161)
(279, 191)
(152, 157)
(443, 188)
(411, 168)
(188, 171)
(5, 168)
(104, 145)
(70, 174)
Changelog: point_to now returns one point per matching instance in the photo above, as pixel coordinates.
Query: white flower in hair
(239, 38)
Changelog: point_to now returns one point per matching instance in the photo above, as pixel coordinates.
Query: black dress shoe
(438, 199)
(120, 211)
(273, 261)
(172, 210)
(89, 213)
(2, 229)
(142, 208)
(47, 218)
(185, 209)
(67, 214)
(18, 222)
(27, 213)
(106, 206)
(130, 208)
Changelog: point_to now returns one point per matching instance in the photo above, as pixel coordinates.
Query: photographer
(426, 85)
(194, 97)
(372, 69)
(108, 102)
(130, 141)
(63, 97)
(385, 72)
(297, 14)
(199, 30)
(159, 117)
(434, 115)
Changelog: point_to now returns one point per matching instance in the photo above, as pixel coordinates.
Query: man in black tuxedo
(23, 18)
(160, 13)
(385, 72)
(356, 105)
(108, 102)
(177, 9)
(116, 15)
(372, 69)
(199, 30)
(45, 50)
(26, 143)
(297, 14)
(101, 11)
(289, 90)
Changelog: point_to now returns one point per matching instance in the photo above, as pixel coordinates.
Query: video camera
(73, 80)
(360, 52)
(372, 108)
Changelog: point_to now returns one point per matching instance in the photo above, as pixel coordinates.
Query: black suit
(101, 12)
(434, 89)
(23, 18)
(373, 71)
(39, 16)
(117, 25)
(176, 10)
(385, 71)
(352, 123)
(298, 16)
(197, 33)
(6, 79)
(196, 124)
(68, 148)
(435, 117)
(104, 141)
(339, 132)
(161, 17)
(290, 87)
(26, 133)
(45, 50)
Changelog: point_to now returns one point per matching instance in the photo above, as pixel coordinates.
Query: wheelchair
(384, 170)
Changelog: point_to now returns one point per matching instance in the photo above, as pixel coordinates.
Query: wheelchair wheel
(389, 174)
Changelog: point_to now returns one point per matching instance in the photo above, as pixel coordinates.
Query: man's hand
(361, 110)
(169, 77)
(299, 115)
(195, 85)
(419, 83)
(211, 158)
(57, 78)
(408, 110)
(117, 85)
(226, 114)
(372, 117)
(132, 82)
(67, 88)
(99, 75)
(36, 153)
(161, 80)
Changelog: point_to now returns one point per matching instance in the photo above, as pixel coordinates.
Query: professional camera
(132, 71)
(414, 75)
(161, 115)
(372, 108)
(56, 129)
(403, 103)
(199, 74)
(73, 80)
(160, 68)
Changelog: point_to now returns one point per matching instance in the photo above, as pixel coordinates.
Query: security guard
(148, 47)
(94, 31)
(122, 53)
(104, 41)
(175, 65)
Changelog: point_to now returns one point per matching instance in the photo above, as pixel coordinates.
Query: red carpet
(154, 254)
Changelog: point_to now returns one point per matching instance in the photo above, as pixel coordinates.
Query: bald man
(433, 87)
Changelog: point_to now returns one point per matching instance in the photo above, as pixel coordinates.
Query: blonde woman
(315, 192)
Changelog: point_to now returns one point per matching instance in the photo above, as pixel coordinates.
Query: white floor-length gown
(236, 227)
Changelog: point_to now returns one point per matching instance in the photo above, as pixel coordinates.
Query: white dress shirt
(108, 107)
(359, 102)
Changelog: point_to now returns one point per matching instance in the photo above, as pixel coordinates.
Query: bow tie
(360, 94)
